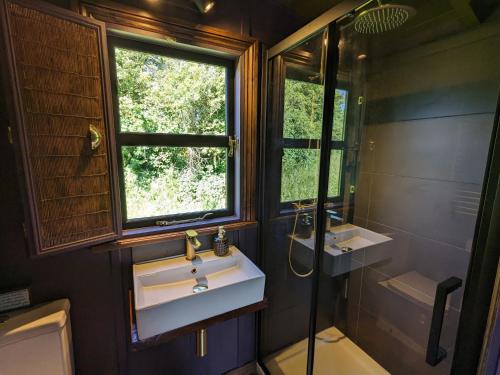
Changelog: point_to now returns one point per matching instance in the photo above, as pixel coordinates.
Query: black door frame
(482, 265)
(331, 71)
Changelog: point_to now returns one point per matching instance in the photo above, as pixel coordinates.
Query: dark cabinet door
(58, 77)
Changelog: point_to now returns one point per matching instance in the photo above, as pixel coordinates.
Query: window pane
(303, 109)
(163, 181)
(159, 94)
(299, 174)
(339, 116)
(334, 178)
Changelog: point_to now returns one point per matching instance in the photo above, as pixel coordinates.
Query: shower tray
(347, 247)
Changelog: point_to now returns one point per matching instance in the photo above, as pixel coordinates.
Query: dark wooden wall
(93, 281)
(99, 313)
(266, 20)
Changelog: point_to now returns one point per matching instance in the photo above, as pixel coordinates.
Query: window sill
(156, 234)
(285, 212)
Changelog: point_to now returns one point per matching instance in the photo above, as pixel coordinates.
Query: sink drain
(199, 288)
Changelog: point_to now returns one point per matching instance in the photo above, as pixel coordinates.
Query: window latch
(233, 144)
(10, 138)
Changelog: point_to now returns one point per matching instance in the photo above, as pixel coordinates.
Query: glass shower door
(292, 165)
(373, 282)
(415, 128)
(412, 117)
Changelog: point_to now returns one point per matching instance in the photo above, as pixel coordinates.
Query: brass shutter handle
(95, 137)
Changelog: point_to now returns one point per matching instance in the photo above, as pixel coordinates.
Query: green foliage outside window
(303, 115)
(159, 94)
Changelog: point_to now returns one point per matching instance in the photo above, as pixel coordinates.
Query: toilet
(37, 340)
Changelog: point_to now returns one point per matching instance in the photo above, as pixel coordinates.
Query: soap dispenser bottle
(221, 246)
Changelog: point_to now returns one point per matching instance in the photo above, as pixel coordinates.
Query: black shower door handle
(436, 353)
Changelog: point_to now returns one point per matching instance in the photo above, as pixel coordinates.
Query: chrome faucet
(192, 244)
(333, 217)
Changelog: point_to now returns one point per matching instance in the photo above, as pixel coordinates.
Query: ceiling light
(209, 6)
(204, 6)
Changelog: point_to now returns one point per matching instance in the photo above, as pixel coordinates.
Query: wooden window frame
(122, 20)
(313, 144)
(170, 139)
(274, 132)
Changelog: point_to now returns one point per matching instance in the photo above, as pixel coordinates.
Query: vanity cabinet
(57, 85)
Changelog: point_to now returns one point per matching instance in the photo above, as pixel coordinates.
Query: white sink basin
(175, 292)
(348, 237)
(344, 245)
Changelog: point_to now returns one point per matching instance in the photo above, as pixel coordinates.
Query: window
(175, 126)
(302, 123)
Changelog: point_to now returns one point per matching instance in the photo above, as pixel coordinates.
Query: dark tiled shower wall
(286, 320)
(425, 141)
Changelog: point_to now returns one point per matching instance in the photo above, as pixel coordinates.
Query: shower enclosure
(376, 146)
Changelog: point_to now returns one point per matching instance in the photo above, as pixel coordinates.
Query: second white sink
(347, 237)
(175, 292)
(343, 248)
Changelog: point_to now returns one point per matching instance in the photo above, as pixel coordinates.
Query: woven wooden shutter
(60, 84)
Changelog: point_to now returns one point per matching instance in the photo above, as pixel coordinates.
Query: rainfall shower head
(382, 18)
